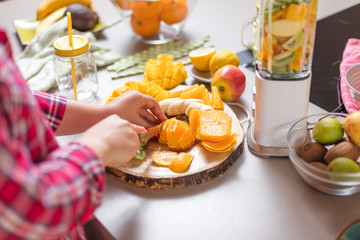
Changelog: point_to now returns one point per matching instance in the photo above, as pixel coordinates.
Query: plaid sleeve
(46, 192)
(47, 200)
(53, 106)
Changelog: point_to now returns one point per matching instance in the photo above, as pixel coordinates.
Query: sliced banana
(178, 106)
(164, 104)
(175, 107)
(200, 106)
(187, 102)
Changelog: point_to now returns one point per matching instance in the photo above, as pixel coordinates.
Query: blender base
(263, 151)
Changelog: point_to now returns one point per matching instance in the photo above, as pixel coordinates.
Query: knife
(144, 138)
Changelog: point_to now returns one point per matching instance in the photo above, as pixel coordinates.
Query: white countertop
(257, 198)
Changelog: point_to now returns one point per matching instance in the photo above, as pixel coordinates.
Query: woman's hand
(113, 139)
(137, 108)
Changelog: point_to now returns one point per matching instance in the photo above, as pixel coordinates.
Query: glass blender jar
(286, 37)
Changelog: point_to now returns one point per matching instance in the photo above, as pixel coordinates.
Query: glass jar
(85, 84)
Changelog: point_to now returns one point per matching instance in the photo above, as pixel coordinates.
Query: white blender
(286, 36)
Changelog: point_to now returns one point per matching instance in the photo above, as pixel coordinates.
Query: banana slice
(195, 105)
(187, 102)
(178, 106)
(205, 108)
(175, 107)
(164, 104)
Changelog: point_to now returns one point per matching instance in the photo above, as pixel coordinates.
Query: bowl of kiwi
(323, 153)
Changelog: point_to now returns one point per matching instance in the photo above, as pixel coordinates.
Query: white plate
(200, 75)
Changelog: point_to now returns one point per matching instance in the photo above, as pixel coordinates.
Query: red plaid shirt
(46, 192)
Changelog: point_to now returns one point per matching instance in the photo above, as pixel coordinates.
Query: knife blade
(144, 138)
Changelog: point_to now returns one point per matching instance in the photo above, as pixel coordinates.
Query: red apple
(230, 81)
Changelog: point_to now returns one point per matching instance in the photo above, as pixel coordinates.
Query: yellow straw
(72, 59)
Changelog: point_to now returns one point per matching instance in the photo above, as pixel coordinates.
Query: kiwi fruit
(83, 18)
(283, 59)
(295, 41)
(312, 152)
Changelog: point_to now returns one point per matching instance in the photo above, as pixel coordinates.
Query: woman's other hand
(113, 139)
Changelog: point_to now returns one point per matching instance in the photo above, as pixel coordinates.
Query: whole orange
(174, 11)
(145, 27)
(145, 9)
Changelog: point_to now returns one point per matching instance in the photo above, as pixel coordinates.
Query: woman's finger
(148, 116)
(153, 105)
(139, 129)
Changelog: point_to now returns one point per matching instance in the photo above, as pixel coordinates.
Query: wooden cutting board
(204, 167)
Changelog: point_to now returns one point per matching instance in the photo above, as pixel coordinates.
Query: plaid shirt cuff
(53, 106)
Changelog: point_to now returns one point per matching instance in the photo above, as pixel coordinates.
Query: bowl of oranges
(155, 21)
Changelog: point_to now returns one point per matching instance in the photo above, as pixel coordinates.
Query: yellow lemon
(200, 58)
(222, 58)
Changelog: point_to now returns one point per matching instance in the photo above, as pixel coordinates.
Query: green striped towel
(36, 64)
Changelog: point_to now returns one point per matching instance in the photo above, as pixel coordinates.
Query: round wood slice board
(204, 167)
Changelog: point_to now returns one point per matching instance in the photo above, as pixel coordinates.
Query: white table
(257, 198)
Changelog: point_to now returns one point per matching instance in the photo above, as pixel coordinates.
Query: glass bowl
(340, 184)
(155, 21)
(352, 78)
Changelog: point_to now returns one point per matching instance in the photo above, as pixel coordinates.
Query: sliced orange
(194, 93)
(296, 63)
(181, 163)
(216, 101)
(146, 9)
(206, 97)
(214, 126)
(163, 158)
(200, 58)
(194, 118)
(145, 27)
(174, 11)
(179, 135)
(222, 146)
(163, 133)
(188, 139)
(177, 93)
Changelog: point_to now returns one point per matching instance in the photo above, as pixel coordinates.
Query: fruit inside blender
(286, 38)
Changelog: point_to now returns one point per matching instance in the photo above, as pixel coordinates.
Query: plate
(205, 166)
(25, 28)
(200, 75)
